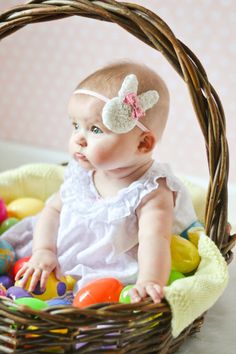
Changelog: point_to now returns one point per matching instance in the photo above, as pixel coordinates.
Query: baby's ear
(147, 142)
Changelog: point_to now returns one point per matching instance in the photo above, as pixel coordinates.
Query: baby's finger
(58, 272)
(134, 295)
(152, 291)
(159, 289)
(44, 278)
(35, 279)
(26, 275)
(141, 290)
(21, 271)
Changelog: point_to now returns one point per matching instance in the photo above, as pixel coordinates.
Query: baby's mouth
(79, 156)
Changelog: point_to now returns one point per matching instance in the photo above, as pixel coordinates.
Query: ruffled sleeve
(128, 199)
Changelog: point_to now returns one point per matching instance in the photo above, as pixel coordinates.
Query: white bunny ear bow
(122, 113)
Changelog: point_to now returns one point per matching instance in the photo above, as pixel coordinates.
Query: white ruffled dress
(99, 237)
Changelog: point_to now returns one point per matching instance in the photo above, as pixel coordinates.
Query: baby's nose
(81, 139)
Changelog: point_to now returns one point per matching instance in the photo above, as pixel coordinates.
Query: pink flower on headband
(132, 100)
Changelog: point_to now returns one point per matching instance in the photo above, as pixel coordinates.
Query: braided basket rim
(152, 30)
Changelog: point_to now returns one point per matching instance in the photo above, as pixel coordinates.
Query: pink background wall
(42, 63)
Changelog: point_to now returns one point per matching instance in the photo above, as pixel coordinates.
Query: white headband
(121, 114)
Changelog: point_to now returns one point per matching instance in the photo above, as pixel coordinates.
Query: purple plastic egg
(6, 281)
(16, 292)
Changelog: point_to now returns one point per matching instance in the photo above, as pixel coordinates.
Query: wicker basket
(122, 328)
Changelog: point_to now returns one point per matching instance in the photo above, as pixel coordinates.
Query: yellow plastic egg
(22, 207)
(54, 288)
(194, 234)
(184, 255)
(70, 282)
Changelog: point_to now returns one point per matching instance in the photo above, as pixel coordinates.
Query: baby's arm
(44, 252)
(155, 226)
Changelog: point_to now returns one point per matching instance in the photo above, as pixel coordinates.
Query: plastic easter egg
(3, 290)
(33, 303)
(54, 288)
(17, 266)
(7, 256)
(58, 302)
(6, 281)
(3, 211)
(98, 291)
(7, 224)
(196, 224)
(124, 295)
(23, 207)
(174, 275)
(194, 234)
(184, 255)
(16, 292)
(70, 282)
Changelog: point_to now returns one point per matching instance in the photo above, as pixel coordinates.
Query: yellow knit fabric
(192, 296)
(39, 180)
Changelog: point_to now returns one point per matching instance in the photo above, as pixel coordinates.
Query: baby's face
(92, 144)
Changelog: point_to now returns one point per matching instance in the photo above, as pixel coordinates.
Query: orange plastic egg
(98, 291)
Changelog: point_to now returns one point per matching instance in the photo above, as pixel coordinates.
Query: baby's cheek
(101, 152)
(101, 156)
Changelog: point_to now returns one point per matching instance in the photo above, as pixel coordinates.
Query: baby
(117, 208)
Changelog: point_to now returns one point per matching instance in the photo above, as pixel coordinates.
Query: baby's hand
(143, 289)
(39, 267)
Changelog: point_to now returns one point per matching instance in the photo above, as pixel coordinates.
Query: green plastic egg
(124, 296)
(174, 275)
(32, 302)
(6, 224)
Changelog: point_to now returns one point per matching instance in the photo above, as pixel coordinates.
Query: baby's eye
(75, 125)
(96, 130)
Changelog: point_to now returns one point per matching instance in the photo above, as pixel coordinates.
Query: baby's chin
(86, 165)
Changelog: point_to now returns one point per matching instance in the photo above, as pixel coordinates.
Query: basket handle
(152, 30)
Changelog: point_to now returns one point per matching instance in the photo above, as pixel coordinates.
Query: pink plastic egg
(3, 211)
